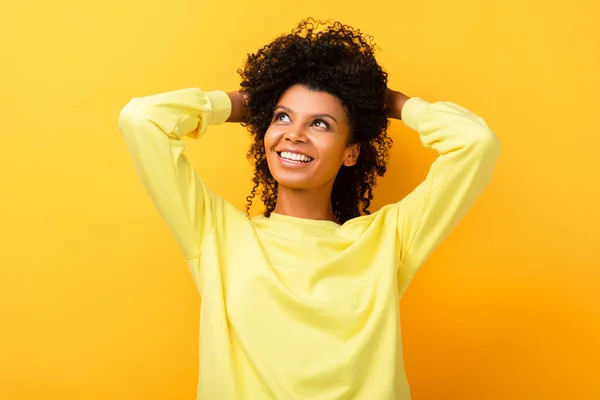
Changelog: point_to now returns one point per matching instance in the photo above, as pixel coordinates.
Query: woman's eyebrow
(313, 116)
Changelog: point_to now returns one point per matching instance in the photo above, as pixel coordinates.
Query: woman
(302, 301)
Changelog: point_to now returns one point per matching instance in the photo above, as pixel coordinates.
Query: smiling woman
(302, 301)
(305, 148)
(337, 69)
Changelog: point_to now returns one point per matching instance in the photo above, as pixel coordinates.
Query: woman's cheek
(271, 138)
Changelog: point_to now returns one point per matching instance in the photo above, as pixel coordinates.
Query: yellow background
(95, 298)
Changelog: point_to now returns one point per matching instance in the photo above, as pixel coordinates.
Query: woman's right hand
(238, 107)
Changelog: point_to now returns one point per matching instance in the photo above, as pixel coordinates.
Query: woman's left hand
(394, 103)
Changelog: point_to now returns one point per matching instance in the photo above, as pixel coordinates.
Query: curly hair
(338, 60)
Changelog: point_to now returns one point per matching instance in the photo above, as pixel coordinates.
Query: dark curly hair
(338, 60)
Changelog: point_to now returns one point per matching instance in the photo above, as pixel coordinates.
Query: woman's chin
(292, 178)
(296, 183)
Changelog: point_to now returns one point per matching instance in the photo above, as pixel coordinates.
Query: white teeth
(295, 156)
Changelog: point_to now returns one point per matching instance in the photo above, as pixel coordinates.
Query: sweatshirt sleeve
(153, 128)
(468, 151)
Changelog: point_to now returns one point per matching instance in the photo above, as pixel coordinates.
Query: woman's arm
(395, 103)
(153, 128)
(468, 150)
(238, 107)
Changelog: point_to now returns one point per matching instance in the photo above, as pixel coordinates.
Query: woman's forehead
(301, 100)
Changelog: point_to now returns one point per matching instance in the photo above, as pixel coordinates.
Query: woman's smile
(293, 159)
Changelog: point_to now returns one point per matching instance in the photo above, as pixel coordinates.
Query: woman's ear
(352, 153)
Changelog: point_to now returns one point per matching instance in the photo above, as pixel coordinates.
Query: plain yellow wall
(95, 298)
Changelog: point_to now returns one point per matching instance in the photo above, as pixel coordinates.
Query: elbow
(487, 144)
(491, 141)
(483, 137)
(130, 117)
(130, 110)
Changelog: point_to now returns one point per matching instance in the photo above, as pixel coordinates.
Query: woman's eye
(322, 124)
(282, 117)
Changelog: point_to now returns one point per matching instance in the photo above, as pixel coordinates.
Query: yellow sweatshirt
(295, 308)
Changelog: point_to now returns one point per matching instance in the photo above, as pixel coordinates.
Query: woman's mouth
(293, 159)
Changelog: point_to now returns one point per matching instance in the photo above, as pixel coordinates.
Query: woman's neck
(305, 203)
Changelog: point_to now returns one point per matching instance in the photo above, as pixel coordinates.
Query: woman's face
(307, 141)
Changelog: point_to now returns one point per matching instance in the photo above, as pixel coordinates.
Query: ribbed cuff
(221, 106)
(413, 110)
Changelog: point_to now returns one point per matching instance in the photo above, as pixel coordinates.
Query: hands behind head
(394, 103)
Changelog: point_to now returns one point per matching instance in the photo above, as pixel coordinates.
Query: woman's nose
(295, 135)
